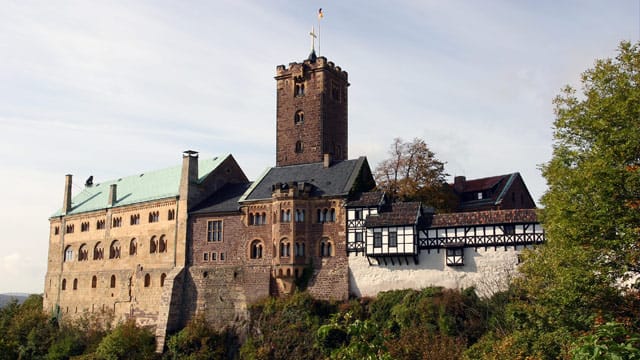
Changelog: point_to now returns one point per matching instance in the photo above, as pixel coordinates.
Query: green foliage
(197, 341)
(127, 341)
(25, 331)
(591, 219)
(594, 176)
(281, 328)
(611, 341)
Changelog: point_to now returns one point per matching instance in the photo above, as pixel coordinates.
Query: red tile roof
(404, 213)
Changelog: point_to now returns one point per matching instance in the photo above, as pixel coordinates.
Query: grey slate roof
(223, 200)
(335, 180)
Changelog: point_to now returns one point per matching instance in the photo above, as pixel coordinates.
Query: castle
(161, 246)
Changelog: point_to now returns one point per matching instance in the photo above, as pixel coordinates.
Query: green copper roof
(147, 186)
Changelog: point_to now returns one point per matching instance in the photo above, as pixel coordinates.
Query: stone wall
(487, 270)
(83, 283)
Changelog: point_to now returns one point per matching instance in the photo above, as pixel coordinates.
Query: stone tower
(311, 113)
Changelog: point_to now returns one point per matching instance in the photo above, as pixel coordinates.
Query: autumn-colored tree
(413, 173)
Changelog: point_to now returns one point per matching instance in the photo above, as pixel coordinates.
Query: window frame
(215, 230)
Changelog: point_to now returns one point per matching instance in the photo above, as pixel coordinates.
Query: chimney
(189, 176)
(327, 161)
(190, 165)
(66, 203)
(458, 183)
(113, 195)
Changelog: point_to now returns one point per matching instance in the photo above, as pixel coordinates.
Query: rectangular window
(214, 230)
(455, 257)
(377, 239)
(221, 256)
(358, 237)
(393, 239)
(214, 256)
(206, 257)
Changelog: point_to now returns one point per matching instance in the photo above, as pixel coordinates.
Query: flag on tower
(320, 14)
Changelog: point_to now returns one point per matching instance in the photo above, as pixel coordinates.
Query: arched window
(298, 89)
(251, 219)
(64, 284)
(256, 249)
(171, 214)
(263, 218)
(299, 147)
(162, 277)
(98, 251)
(285, 248)
(326, 247)
(113, 281)
(83, 253)
(153, 245)
(135, 219)
(75, 284)
(332, 215)
(162, 246)
(68, 253)
(325, 215)
(154, 216)
(285, 216)
(298, 118)
(299, 249)
(299, 215)
(147, 280)
(114, 250)
(94, 282)
(133, 247)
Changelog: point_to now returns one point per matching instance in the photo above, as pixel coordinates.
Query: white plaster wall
(488, 270)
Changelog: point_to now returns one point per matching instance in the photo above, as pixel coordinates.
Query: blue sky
(114, 88)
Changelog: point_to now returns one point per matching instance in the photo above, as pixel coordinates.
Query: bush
(127, 341)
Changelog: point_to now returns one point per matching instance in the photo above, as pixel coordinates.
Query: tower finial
(313, 39)
(312, 56)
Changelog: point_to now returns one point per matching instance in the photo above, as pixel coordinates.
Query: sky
(113, 88)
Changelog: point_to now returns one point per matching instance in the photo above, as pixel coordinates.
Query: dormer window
(298, 118)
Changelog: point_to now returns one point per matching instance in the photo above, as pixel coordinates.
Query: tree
(412, 173)
(591, 218)
(594, 175)
(127, 341)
